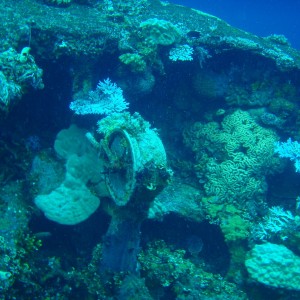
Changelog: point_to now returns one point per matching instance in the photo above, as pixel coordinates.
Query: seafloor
(147, 151)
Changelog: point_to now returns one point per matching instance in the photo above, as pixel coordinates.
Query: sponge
(69, 204)
(73, 201)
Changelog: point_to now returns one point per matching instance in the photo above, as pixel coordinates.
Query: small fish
(194, 245)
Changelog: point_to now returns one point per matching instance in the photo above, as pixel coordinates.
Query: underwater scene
(148, 150)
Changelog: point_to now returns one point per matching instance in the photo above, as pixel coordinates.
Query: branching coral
(107, 98)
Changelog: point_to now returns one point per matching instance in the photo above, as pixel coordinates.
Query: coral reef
(169, 174)
(167, 267)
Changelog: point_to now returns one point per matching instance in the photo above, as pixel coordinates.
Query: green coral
(164, 265)
(233, 224)
(235, 228)
(16, 262)
(134, 60)
(134, 124)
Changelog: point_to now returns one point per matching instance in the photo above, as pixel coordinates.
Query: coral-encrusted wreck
(189, 210)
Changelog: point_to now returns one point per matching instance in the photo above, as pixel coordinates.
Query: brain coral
(236, 154)
(160, 32)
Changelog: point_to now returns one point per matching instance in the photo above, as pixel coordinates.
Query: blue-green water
(258, 17)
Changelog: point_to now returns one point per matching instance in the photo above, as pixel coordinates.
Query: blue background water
(261, 17)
